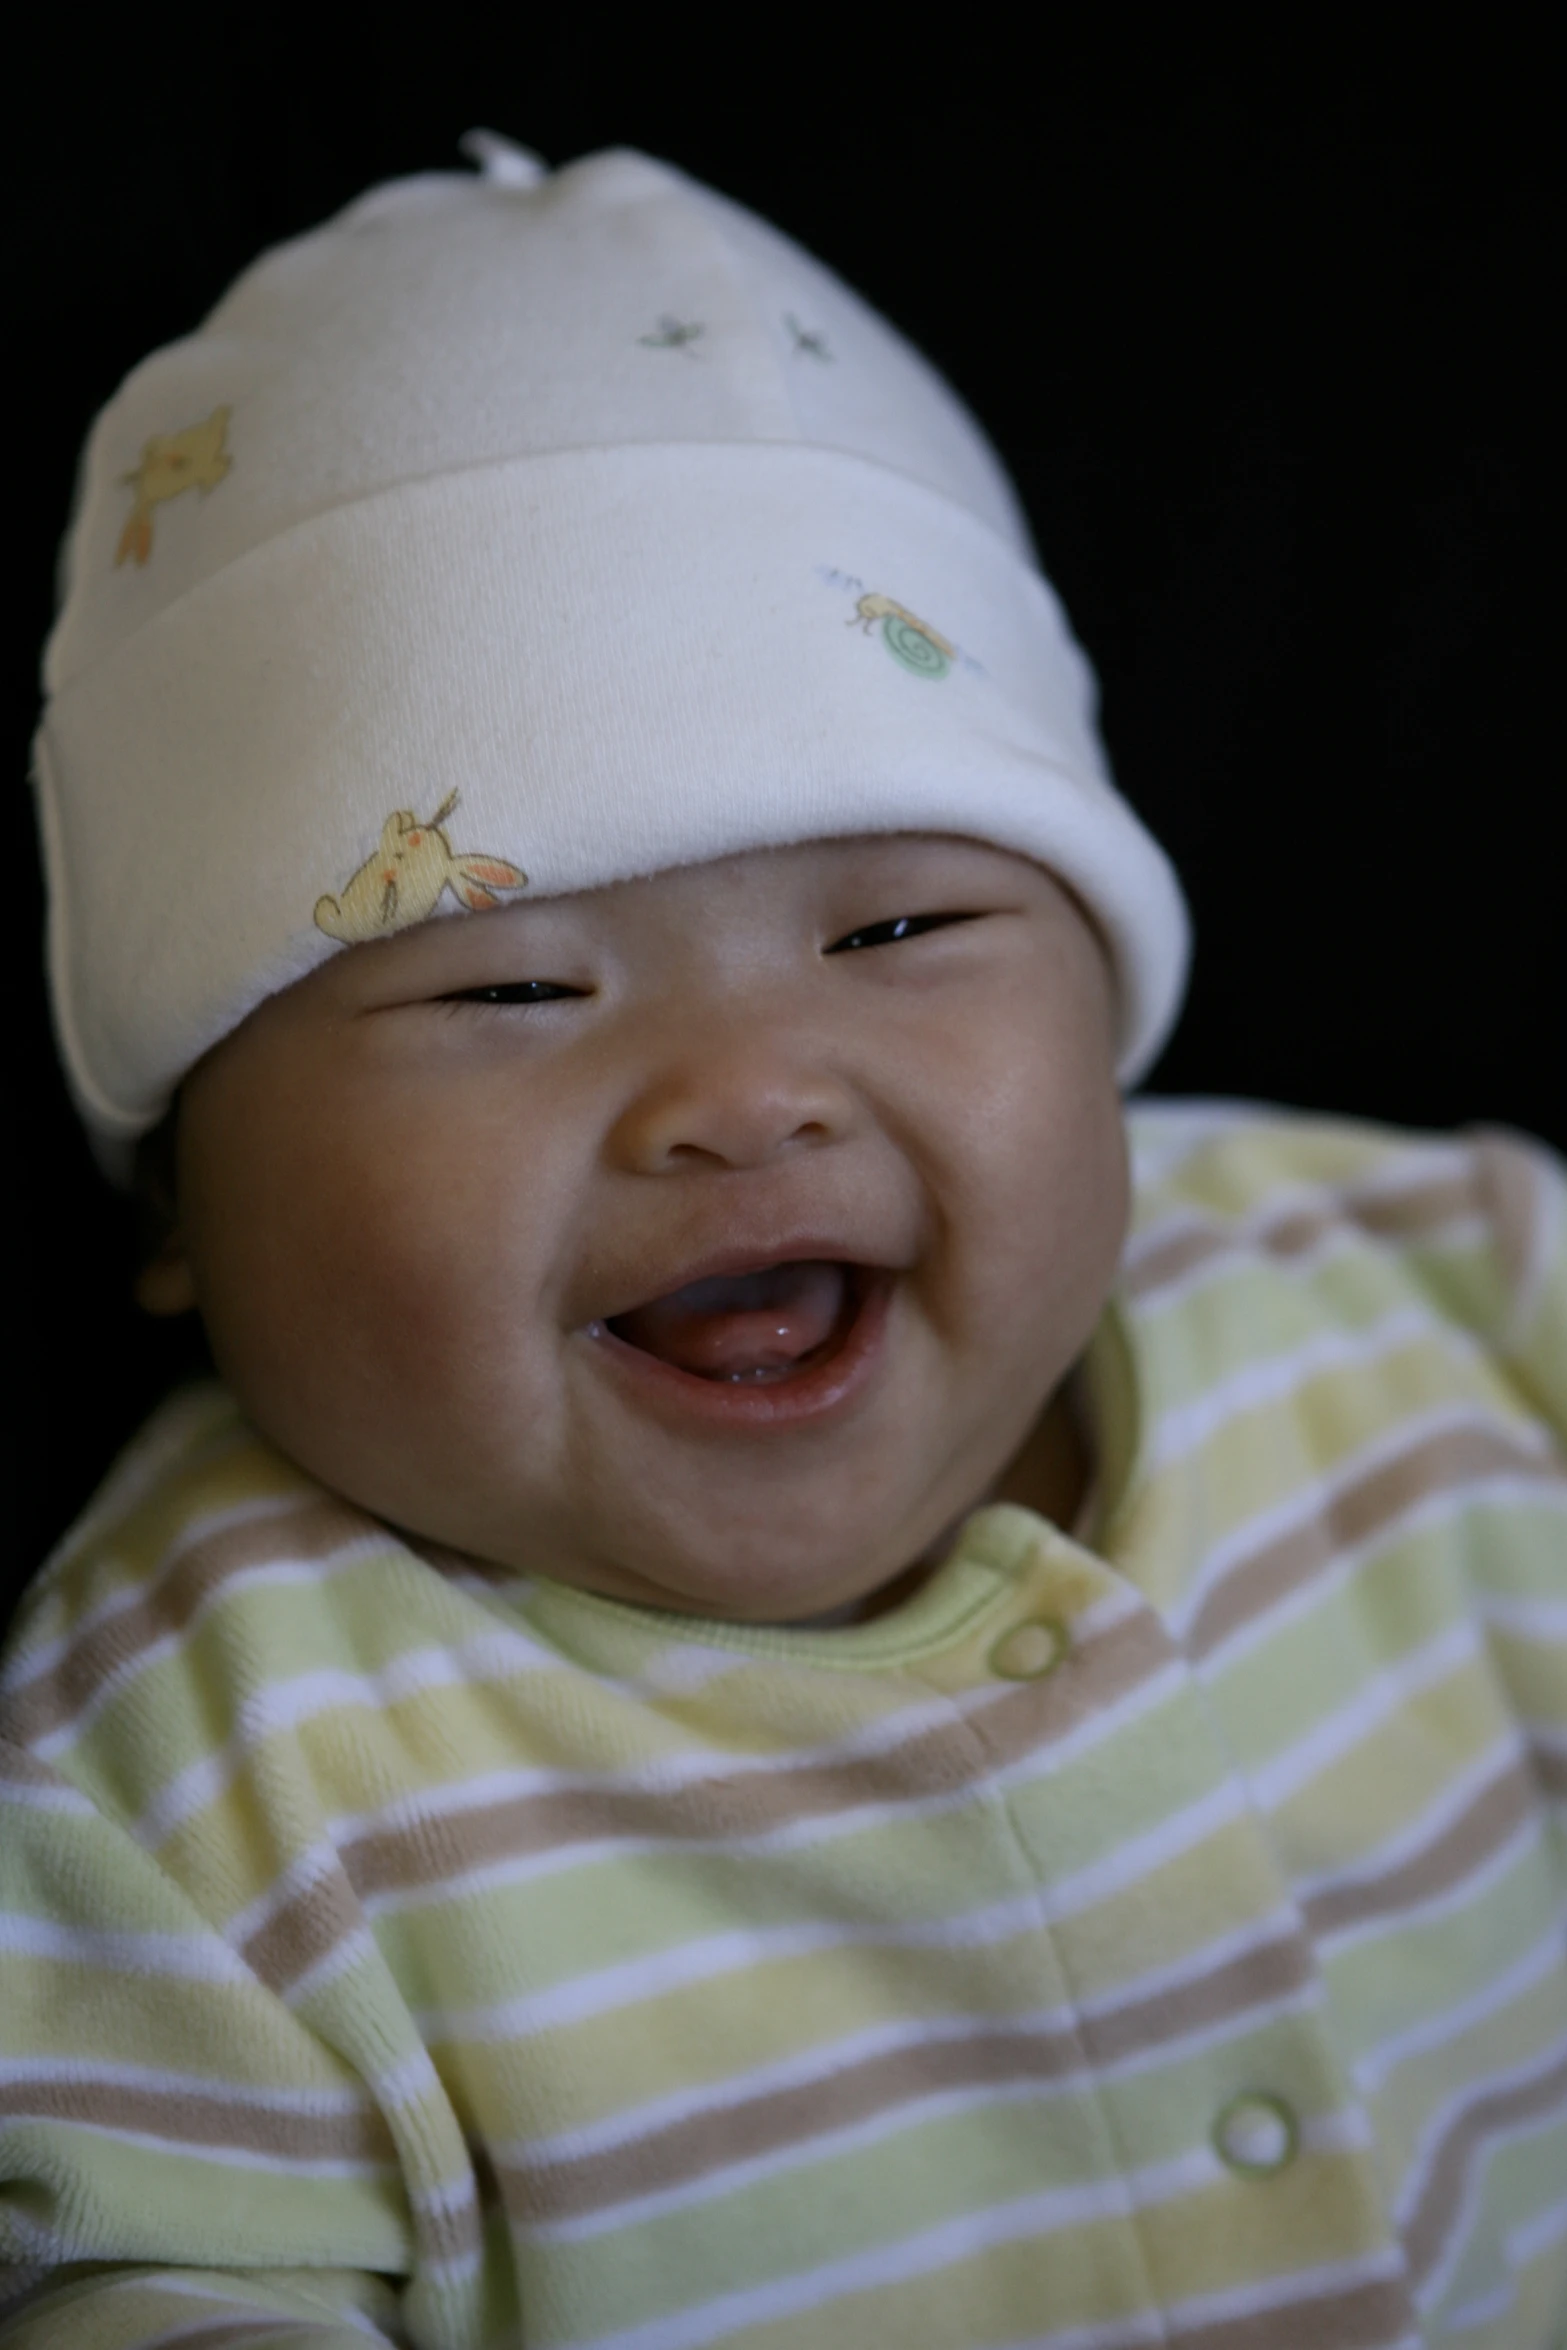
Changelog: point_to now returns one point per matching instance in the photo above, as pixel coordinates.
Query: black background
(1259, 328)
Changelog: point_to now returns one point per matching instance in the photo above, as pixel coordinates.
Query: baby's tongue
(741, 1325)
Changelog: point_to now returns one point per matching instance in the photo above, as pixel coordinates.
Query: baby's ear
(166, 1284)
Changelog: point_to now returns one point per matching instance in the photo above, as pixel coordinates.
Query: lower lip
(816, 1392)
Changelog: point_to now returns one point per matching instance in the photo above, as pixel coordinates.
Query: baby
(788, 1698)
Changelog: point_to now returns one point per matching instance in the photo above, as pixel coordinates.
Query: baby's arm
(181, 2160)
(199, 2309)
(1524, 1187)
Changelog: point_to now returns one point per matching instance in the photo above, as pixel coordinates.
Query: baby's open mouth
(761, 1326)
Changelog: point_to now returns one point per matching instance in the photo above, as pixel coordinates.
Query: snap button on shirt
(1029, 1651)
(1256, 2134)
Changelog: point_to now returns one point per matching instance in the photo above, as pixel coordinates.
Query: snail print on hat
(531, 531)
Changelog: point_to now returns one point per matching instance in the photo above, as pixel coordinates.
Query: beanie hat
(527, 532)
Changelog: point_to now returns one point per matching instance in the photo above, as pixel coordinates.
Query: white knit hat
(530, 530)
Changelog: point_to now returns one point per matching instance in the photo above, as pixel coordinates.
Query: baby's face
(714, 1240)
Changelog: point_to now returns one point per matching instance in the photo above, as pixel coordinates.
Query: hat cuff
(617, 660)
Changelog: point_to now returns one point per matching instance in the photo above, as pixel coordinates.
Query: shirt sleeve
(180, 2157)
(202, 2309)
(1523, 1188)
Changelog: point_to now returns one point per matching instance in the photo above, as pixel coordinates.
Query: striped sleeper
(1152, 1935)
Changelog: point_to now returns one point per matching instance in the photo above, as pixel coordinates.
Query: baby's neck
(1051, 1472)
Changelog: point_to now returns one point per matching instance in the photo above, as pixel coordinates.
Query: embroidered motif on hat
(171, 463)
(402, 883)
(808, 342)
(674, 334)
(909, 640)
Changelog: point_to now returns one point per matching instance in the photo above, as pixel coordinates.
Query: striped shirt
(1149, 1938)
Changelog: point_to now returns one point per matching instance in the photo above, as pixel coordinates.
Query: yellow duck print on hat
(171, 463)
(402, 883)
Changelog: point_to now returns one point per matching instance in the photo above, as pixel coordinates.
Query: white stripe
(1427, 1167)
(412, 2080)
(1295, 2291)
(252, 2319)
(1538, 2234)
(282, 1706)
(899, 2262)
(1472, 2196)
(1268, 1380)
(1439, 2126)
(312, 1867)
(1414, 1839)
(187, 1956)
(695, 1766)
(35, 1664)
(826, 2145)
(1546, 1242)
(1164, 1131)
(1531, 1619)
(1426, 1514)
(28, 1795)
(629, 2124)
(235, 2295)
(1476, 1886)
(814, 1830)
(359, 1948)
(671, 1773)
(85, 2072)
(902, 2115)
(1298, 2290)
(247, 2158)
(1378, 1701)
(657, 1973)
(1312, 1501)
(266, 1572)
(1141, 1856)
(1538, 1965)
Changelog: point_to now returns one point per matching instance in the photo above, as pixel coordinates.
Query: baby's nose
(731, 1103)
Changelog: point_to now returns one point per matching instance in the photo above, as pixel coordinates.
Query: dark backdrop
(1257, 328)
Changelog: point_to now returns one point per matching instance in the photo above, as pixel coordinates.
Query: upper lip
(791, 1248)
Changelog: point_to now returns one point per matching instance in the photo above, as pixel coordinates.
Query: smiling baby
(807, 1683)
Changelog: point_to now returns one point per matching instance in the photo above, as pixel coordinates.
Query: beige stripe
(52, 1700)
(1429, 1203)
(773, 2120)
(18, 1768)
(193, 2118)
(226, 2332)
(1489, 2112)
(1173, 1259)
(1464, 1846)
(704, 2143)
(431, 1851)
(1367, 2317)
(947, 1760)
(1368, 1506)
(1510, 1178)
(1253, 1978)
(307, 1929)
(447, 2234)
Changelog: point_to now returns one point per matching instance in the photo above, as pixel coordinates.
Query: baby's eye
(513, 991)
(885, 934)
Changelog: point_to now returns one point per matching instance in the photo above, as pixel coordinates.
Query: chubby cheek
(374, 1308)
(1036, 1176)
